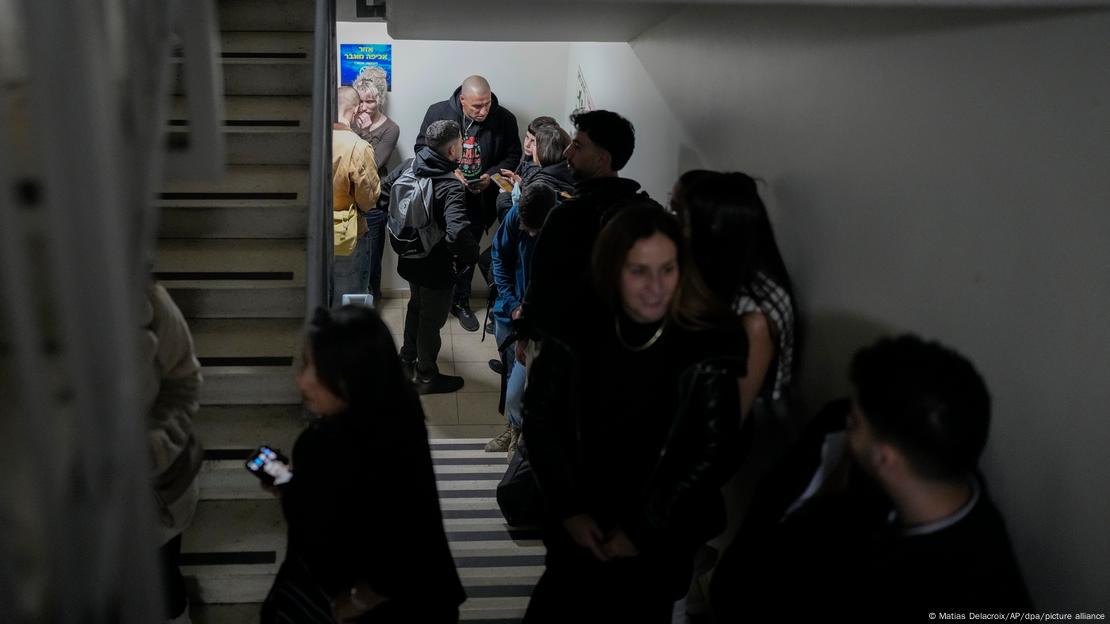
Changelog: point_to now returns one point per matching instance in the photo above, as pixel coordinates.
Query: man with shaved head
(491, 142)
(354, 183)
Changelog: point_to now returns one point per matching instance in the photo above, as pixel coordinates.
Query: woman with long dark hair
(632, 435)
(366, 538)
(736, 254)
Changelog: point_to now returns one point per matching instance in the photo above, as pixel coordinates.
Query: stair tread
(246, 337)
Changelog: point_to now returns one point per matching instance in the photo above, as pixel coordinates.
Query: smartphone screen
(270, 466)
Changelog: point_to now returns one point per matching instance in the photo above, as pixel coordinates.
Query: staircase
(232, 254)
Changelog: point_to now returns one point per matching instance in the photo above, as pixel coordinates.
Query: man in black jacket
(880, 513)
(431, 278)
(560, 299)
(491, 142)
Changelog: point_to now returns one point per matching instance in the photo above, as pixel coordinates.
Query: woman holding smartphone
(366, 539)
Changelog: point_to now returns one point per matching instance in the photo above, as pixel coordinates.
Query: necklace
(644, 347)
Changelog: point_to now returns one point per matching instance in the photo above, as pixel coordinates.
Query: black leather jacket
(705, 445)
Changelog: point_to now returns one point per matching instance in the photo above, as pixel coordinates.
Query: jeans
(376, 220)
(515, 374)
(426, 315)
(350, 274)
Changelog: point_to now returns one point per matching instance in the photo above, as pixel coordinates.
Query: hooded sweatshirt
(449, 210)
(494, 144)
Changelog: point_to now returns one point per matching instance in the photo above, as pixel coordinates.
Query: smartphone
(473, 184)
(270, 466)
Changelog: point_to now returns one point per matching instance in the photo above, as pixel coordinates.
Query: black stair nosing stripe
(264, 55)
(201, 276)
(494, 536)
(468, 476)
(467, 461)
(228, 195)
(499, 591)
(226, 454)
(267, 360)
(470, 514)
(487, 493)
(498, 561)
(494, 621)
(458, 446)
(247, 123)
(244, 557)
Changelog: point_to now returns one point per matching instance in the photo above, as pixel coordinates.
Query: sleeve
(386, 184)
(388, 142)
(505, 259)
(511, 155)
(541, 299)
(503, 202)
(459, 238)
(364, 177)
(170, 418)
(429, 117)
(549, 412)
(704, 448)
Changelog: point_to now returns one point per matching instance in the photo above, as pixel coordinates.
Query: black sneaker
(466, 317)
(497, 366)
(440, 384)
(490, 328)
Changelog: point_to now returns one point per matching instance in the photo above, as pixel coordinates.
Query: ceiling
(603, 20)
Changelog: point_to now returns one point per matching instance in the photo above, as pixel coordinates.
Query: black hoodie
(449, 210)
(561, 301)
(498, 137)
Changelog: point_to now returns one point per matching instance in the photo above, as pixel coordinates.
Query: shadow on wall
(829, 340)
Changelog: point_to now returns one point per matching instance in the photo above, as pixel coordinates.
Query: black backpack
(413, 229)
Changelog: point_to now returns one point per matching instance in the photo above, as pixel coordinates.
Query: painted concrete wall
(947, 173)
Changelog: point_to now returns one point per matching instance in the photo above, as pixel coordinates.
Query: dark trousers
(466, 272)
(376, 237)
(426, 315)
(581, 589)
(169, 556)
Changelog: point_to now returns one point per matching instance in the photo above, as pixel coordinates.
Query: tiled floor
(472, 411)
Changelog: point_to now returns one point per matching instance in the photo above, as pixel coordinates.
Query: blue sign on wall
(354, 56)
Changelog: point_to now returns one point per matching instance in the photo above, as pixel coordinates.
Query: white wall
(618, 82)
(946, 173)
(528, 78)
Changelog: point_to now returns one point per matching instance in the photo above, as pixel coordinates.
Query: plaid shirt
(766, 296)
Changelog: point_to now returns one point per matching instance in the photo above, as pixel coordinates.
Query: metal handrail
(319, 252)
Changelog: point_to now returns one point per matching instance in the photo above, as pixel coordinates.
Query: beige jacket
(354, 173)
(170, 388)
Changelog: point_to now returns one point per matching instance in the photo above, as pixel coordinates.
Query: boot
(500, 444)
(514, 441)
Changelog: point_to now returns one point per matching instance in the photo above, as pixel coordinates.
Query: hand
(459, 175)
(358, 601)
(521, 345)
(584, 531)
(480, 184)
(510, 176)
(618, 546)
(515, 314)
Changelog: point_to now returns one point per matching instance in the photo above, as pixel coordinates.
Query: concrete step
(222, 427)
(293, 15)
(230, 300)
(249, 385)
(261, 63)
(242, 112)
(236, 263)
(233, 222)
(265, 185)
(246, 338)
